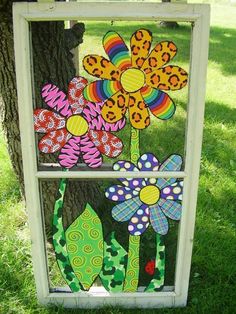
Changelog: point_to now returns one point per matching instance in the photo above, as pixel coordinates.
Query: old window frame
(198, 16)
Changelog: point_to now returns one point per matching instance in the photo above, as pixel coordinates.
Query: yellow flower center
(77, 125)
(149, 194)
(132, 80)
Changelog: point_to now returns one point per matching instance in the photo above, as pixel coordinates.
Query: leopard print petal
(140, 44)
(100, 67)
(167, 78)
(115, 107)
(138, 112)
(161, 54)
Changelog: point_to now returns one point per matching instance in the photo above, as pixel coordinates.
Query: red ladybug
(150, 267)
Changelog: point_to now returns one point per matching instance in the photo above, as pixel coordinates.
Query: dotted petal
(119, 193)
(136, 183)
(140, 221)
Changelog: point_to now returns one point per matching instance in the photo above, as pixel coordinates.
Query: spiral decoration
(134, 145)
(84, 238)
(132, 272)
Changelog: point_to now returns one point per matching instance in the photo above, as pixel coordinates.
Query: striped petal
(101, 90)
(107, 143)
(158, 220)
(69, 154)
(119, 193)
(134, 184)
(100, 67)
(160, 104)
(115, 107)
(140, 44)
(173, 192)
(46, 121)
(92, 114)
(124, 211)
(172, 163)
(56, 99)
(171, 209)
(138, 112)
(167, 78)
(116, 50)
(161, 54)
(53, 141)
(91, 155)
(75, 95)
(140, 221)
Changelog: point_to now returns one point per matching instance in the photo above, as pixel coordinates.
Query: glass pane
(78, 140)
(133, 220)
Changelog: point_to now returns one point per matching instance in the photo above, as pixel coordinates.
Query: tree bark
(52, 61)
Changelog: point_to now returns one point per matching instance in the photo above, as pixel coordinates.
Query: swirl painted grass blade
(59, 242)
(84, 238)
(132, 271)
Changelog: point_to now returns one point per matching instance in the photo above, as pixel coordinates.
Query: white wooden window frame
(198, 15)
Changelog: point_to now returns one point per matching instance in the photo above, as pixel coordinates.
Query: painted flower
(137, 82)
(147, 200)
(75, 127)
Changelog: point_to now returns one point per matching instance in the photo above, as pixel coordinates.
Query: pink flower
(75, 127)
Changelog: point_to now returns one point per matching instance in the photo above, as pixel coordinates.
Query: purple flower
(147, 200)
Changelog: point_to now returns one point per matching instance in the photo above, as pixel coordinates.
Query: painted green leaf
(157, 282)
(114, 264)
(84, 238)
(59, 242)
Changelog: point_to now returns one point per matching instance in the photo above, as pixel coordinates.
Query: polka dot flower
(136, 82)
(148, 200)
(75, 127)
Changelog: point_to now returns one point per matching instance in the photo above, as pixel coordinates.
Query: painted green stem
(59, 241)
(134, 146)
(132, 270)
(157, 282)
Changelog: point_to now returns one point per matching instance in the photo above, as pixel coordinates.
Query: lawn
(213, 272)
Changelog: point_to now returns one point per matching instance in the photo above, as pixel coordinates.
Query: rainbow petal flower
(148, 200)
(75, 127)
(137, 82)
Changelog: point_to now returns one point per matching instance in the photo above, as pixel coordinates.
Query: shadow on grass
(222, 49)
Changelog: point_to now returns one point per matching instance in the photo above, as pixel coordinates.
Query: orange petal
(161, 54)
(138, 112)
(167, 78)
(140, 44)
(115, 107)
(101, 67)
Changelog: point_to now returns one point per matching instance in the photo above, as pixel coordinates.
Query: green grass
(213, 272)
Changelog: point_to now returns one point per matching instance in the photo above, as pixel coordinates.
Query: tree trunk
(52, 61)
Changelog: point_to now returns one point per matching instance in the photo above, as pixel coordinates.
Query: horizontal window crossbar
(109, 174)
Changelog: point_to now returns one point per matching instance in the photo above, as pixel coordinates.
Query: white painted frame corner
(198, 15)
